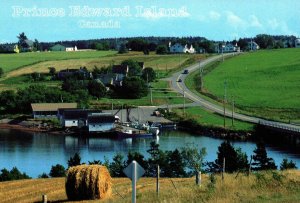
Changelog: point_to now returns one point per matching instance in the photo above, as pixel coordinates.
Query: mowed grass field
(210, 119)
(264, 83)
(11, 62)
(258, 187)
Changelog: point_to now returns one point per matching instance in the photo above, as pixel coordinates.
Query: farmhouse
(178, 48)
(101, 122)
(49, 110)
(253, 46)
(58, 47)
(227, 48)
(121, 71)
(71, 48)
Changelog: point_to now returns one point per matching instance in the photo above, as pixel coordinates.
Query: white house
(297, 43)
(178, 48)
(253, 46)
(227, 48)
(71, 48)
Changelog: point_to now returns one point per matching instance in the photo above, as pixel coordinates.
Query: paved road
(200, 101)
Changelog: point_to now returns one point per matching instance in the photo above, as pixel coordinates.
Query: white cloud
(254, 22)
(273, 23)
(214, 15)
(234, 20)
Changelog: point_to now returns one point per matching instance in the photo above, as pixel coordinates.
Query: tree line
(184, 162)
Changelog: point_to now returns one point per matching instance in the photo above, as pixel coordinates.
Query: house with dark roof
(28, 45)
(75, 117)
(49, 110)
(102, 122)
(121, 71)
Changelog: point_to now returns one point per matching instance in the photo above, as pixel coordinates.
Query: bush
(286, 164)
(57, 171)
(75, 160)
(1, 72)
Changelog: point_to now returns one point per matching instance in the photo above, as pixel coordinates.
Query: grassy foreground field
(264, 83)
(258, 187)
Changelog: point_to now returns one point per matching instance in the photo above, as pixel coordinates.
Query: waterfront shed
(49, 110)
(101, 122)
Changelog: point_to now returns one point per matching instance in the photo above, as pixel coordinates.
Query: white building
(178, 48)
(71, 48)
(101, 122)
(227, 48)
(297, 43)
(253, 46)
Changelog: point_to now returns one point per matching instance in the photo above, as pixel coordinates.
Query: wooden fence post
(44, 198)
(157, 179)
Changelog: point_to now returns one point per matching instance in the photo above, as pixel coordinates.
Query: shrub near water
(88, 182)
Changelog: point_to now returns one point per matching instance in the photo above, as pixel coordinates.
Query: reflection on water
(35, 153)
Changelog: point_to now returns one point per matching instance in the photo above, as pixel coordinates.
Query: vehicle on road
(179, 80)
(185, 71)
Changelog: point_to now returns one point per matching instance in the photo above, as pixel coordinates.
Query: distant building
(101, 122)
(226, 48)
(29, 46)
(49, 110)
(73, 117)
(178, 48)
(297, 43)
(58, 47)
(71, 48)
(121, 71)
(253, 46)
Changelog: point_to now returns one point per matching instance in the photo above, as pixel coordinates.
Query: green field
(263, 83)
(210, 119)
(11, 62)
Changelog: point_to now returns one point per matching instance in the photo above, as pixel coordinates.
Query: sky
(50, 21)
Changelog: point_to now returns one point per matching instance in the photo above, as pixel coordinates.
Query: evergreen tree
(57, 171)
(226, 150)
(176, 165)
(117, 166)
(261, 161)
(286, 164)
(75, 160)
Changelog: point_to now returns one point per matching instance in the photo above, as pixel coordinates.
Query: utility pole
(201, 76)
(151, 100)
(183, 104)
(232, 120)
(224, 101)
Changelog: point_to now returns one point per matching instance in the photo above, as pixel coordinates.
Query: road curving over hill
(201, 101)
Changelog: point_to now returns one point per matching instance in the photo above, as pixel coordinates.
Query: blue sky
(213, 19)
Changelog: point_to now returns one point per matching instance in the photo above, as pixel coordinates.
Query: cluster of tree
(188, 160)
(13, 174)
(100, 45)
(20, 101)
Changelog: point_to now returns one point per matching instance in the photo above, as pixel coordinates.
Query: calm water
(35, 153)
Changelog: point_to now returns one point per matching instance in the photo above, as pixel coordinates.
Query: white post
(134, 182)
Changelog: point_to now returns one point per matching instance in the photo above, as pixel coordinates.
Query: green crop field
(11, 62)
(263, 83)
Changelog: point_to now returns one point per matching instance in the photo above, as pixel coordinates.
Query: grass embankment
(209, 119)
(263, 83)
(258, 187)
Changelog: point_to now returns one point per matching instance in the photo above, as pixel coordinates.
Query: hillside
(264, 83)
(260, 187)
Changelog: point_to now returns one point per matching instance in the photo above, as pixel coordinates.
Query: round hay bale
(88, 182)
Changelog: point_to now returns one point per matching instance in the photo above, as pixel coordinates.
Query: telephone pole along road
(181, 88)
